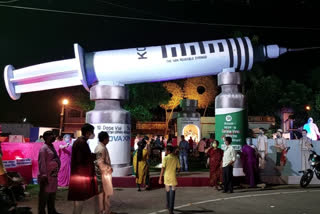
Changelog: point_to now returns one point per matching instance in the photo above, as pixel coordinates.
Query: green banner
(231, 122)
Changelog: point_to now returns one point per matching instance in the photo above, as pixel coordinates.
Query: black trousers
(46, 198)
(201, 156)
(227, 178)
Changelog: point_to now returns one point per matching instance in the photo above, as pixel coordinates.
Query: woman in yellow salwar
(140, 164)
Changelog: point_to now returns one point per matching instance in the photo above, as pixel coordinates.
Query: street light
(64, 103)
(308, 108)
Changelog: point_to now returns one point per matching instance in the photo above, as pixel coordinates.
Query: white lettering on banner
(117, 132)
(119, 137)
(119, 141)
(16, 163)
(189, 119)
(235, 147)
(112, 129)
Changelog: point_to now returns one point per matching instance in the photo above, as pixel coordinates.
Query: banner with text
(119, 141)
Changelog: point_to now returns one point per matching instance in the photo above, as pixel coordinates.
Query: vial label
(231, 122)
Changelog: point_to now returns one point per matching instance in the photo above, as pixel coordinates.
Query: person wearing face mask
(83, 184)
(281, 145)
(229, 157)
(49, 164)
(305, 144)
(262, 146)
(215, 161)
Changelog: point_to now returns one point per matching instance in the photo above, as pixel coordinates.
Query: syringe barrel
(168, 62)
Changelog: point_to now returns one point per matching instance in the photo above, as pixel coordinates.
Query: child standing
(170, 164)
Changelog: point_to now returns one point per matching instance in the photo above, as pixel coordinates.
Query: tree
(317, 102)
(267, 94)
(296, 96)
(313, 77)
(315, 109)
(145, 97)
(263, 92)
(82, 100)
(176, 94)
(142, 98)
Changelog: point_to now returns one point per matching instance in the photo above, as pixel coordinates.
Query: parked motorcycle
(12, 192)
(307, 176)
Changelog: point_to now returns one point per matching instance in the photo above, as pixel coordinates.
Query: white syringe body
(137, 65)
(168, 62)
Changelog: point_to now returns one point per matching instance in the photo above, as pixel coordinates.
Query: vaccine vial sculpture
(105, 73)
(230, 109)
(230, 114)
(109, 116)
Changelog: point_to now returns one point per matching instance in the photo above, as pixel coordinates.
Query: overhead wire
(8, 2)
(142, 11)
(158, 20)
(135, 9)
(303, 49)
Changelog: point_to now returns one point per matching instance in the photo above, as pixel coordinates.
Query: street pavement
(277, 199)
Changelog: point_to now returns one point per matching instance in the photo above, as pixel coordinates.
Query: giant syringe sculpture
(105, 73)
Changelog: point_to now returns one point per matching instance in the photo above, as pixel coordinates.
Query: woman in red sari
(215, 154)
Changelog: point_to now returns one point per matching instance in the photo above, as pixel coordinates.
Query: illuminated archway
(192, 131)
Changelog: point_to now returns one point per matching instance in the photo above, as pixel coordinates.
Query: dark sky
(30, 37)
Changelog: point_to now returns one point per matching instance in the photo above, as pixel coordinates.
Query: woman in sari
(215, 154)
(140, 164)
(64, 153)
(250, 163)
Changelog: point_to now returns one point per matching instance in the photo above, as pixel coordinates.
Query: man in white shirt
(305, 144)
(262, 146)
(229, 158)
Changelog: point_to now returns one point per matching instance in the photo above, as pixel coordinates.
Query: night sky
(30, 37)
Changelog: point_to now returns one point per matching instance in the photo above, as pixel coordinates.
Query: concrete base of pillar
(123, 171)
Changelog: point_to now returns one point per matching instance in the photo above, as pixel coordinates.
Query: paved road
(281, 199)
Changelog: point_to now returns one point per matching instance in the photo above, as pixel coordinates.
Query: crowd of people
(89, 175)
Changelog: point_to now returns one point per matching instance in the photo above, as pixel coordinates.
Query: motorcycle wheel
(317, 174)
(306, 178)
